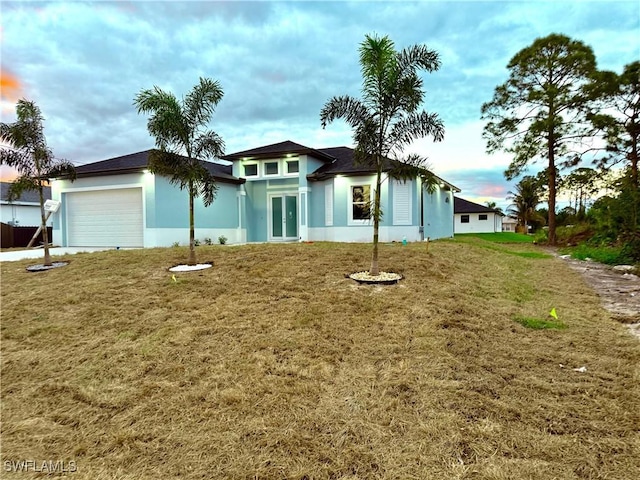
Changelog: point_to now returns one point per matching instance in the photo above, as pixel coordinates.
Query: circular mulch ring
(191, 268)
(43, 268)
(384, 278)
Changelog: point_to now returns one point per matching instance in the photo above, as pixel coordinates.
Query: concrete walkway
(15, 255)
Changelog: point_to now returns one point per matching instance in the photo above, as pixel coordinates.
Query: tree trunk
(192, 243)
(374, 270)
(45, 233)
(551, 176)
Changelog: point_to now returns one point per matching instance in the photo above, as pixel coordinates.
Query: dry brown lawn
(273, 365)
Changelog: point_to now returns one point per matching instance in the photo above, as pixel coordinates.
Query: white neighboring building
(472, 217)
(23, 212)
(509, 224)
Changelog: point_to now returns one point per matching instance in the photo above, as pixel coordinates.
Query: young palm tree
(526, 198)
(26, 150)
(387, 118)
(182, 141)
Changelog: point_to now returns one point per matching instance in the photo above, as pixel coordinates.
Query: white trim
(285, 167)
(271, 175)
(282, 194)
(244, 175)
(365, 234)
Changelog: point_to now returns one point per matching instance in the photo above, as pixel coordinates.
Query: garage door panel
(105, 218)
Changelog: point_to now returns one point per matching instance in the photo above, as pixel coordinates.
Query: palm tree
(26, 150)
(526, 198)
(182, 141)
(494, 206)
(387, 119)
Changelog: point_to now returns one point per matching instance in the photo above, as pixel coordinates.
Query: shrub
(208, 241)
(222, 239)
(196, 242)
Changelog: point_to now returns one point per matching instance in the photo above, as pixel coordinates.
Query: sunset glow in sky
(278, 63)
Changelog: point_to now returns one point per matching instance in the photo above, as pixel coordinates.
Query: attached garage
(105, 218)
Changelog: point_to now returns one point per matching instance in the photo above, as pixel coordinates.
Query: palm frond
(415, 126)
(347, 108)
(208, 145)
(201, 101)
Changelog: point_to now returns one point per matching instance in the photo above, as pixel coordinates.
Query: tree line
(558, 108)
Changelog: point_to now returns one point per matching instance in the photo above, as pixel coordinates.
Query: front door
(284, 217)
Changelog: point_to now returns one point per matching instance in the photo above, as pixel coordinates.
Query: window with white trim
(360, 203)
(250, 169)
(292, 167)
(483, 216)
(464, 218)
(271, 169)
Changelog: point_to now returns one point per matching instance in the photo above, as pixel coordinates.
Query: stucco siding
(438, 214)
(475, 225)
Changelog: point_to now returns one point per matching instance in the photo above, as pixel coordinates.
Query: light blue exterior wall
(438, 214)
(316, 203)
(172, 207)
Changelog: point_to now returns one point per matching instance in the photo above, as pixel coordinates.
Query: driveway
(15, 255)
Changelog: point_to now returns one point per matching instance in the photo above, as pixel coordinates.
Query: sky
(278, 63)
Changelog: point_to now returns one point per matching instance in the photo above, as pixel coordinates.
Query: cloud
(278, 63)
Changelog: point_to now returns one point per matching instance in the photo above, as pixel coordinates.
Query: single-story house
(472, 217)
(23, 212)
(280, 192)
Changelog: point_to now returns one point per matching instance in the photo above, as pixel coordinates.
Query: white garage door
(105, 218)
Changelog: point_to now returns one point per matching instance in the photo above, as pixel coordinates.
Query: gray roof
(281, 148)
(460, 205)
(340, 160)
(136, 162)
(28, 196)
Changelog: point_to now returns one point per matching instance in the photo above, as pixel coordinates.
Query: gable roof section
(344, 164)
(460, 205)
(277, 150)
(28, 196)
(137, 162)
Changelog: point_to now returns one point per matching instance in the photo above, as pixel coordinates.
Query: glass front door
(284, 217)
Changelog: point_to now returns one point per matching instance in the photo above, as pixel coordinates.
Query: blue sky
(278, 63)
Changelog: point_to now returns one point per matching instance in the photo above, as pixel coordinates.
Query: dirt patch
(618, 291)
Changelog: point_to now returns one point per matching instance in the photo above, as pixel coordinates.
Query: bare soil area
(618, 291)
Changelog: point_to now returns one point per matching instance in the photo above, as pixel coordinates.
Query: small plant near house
(175, 244)
(196, 242)
(222, 239)
(208, 241)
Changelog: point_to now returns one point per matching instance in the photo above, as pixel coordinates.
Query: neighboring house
(23, 212)
(280, 192)
(475, 218)
(509, 224)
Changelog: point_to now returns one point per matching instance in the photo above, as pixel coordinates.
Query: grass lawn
(273, 365)
(498, 237)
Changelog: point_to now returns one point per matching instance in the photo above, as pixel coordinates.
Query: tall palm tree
(526, 198)
(387, 118)
(26, 150)
(182, 141)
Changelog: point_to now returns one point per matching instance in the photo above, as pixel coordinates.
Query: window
(464, 218)
(483, 216)
(271, 168)
(360, 201)
(251, 170)
(293, 166)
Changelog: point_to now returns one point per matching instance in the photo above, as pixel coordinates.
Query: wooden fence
(13, 237)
